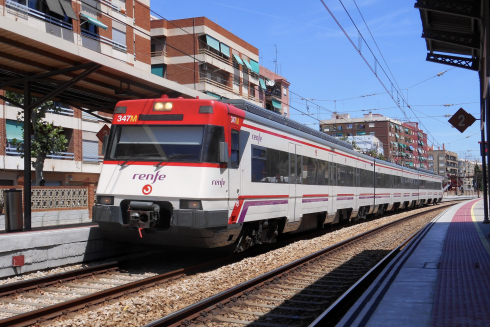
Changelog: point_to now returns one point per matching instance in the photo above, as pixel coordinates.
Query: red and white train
(205, 173)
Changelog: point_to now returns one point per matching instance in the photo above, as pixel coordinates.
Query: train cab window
(235, 148)
(212, 136)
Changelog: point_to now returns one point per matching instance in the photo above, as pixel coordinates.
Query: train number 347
(128, 118)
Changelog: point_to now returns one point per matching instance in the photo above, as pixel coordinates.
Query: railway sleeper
(16, 312)
(248, 323)
(331, 285)
(267, 298)
(32, 304)
(307, 289)
(58, 290)
(261, 314)
(299, 294)
(33, 295)
(281, 307)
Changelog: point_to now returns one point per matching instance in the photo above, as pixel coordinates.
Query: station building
(403, 143)
(122, 36)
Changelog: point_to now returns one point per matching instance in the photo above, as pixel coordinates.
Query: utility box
(14, 217)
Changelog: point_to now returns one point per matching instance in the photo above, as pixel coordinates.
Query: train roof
(289, 123)
(259, 111)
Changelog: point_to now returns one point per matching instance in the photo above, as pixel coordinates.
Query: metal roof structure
(453, 30)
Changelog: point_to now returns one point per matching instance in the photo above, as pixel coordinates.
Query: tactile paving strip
(462, 295)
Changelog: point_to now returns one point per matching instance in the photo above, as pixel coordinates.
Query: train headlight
(108, 200)
(191, 204)
(162, 106)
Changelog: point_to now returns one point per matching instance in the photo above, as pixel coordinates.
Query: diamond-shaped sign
(104, 131)
(461, 120)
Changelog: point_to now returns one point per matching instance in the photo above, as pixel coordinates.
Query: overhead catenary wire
(370, 67)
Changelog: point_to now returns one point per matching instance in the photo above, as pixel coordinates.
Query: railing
(110, 4)
(96, 159)
(217, 84)
(159, 53)
(55, 197)
(114, 45)
(12, 5)
(86, 116)
(251, 97)
(62, 111)
(11, 150)
(214, 55)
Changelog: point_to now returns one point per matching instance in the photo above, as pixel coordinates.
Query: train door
(235, 169)
(295, 179)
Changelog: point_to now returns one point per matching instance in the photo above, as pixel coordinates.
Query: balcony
(32, 17)
(159, 57)
(11, 150)
(217, 82)
(91, 41)
(222, 59)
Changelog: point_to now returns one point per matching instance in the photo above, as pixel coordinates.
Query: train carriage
(206, 173)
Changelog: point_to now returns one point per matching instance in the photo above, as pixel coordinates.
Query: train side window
(235, 148)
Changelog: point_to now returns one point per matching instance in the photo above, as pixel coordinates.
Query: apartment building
(367, 143)
(200, 54)
(466, 172)
(444, 163)
(403, 143)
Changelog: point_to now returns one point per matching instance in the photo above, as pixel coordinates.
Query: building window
(90, 150)
(159, 70)
(349, 126)
(371, 133)
(339, 134)
(371, 124)
(119, 36)
(361, 133)
(339, 128)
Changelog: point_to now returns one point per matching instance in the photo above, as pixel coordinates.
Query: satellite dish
(268, 82)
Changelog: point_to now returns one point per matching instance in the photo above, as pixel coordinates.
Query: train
(228, 173)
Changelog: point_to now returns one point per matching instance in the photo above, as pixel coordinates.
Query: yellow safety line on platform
(478, 229)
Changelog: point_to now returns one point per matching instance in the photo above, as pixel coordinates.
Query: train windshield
(165, 143)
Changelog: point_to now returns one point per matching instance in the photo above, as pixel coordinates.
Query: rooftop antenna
(275, 61)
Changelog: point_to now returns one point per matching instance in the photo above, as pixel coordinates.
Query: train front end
(164, 178)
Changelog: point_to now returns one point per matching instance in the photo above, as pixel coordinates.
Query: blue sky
(320, 62)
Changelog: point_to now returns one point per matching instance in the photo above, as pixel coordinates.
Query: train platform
(441, 278)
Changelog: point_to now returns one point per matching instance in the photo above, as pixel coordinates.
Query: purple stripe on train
(350, 198)
(315, 200)
(257, 203)
(366, 197)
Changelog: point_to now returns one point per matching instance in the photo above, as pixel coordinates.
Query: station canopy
(452, 31)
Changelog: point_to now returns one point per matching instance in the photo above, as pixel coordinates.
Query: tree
(46, 138)
(345, 138)
(478, 177)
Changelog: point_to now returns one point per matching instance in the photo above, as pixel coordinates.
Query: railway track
(297, 293)
(62, 294)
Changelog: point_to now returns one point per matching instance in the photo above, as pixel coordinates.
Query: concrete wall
(53, 248)
(55, 218)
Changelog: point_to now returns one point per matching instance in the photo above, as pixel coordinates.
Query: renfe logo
(151, 177)
(257, 138)
(221, 183)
